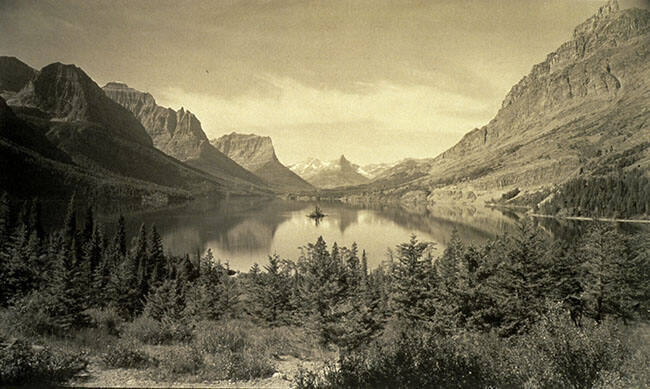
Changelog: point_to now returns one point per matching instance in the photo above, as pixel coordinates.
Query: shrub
(20, 364)
(181, 360)
(412, 359)
(150, 331)
(30, 316)
(246, 364)
(212, 338)
(108, 320)
(126, 355)
(233, 350)
(559, 354)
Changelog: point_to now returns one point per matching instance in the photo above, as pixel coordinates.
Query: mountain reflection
(244, 232)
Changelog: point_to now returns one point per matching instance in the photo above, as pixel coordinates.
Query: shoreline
(585, 218)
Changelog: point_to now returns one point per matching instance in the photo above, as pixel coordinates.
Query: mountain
(66, 94)
(256, 153)
(331, 174)
(176, 133)
(14, 75)
(34, 167)
(375, 170)
(62, 115)
(583, 109)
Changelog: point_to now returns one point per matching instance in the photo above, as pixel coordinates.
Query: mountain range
(176, 133)
(331, 174)
(584, 108)
(58, 122)
(582, 111)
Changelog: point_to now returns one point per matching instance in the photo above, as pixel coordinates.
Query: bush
(233, 350)
(20, 364)
(150, 331)
(127, 356)
(30, 316)
(181, 360)
(558, 354)
(411, 359)
(246, 364)
(108, 320)
(554, 354)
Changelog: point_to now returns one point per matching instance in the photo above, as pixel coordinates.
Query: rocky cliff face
(256, 153)
(330, 174)
(66, 94)
(176, 133)
(583, 105)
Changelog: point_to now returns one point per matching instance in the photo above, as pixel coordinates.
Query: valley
(291, 194)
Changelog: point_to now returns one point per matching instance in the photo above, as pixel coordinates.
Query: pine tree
(275, 296)
(157, 257)
(18, 276)
(321, 290)
(36, 220)
(5, 218)
(69, 288)
(613, 273)
(166, 301)
(413, 292)
(120, 236)
(141, 260)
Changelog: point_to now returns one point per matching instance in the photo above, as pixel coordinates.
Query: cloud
(392, 106)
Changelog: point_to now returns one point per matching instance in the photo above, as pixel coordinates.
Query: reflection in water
(244, 232)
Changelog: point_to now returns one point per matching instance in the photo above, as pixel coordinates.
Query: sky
(375, 80)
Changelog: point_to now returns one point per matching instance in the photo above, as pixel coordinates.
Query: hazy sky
(374, 80)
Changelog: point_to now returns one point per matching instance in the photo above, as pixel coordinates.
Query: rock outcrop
(586, 104)
(331, 174)
(256, 153)
(176, 133)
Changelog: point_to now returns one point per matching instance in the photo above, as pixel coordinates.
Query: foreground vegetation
(520, 311)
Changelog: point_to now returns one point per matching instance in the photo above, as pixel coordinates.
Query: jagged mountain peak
(176, 133)
(330, 174)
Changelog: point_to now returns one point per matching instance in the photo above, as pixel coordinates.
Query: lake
(245, 231)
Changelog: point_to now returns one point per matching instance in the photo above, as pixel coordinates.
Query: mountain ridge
(330, 174)
(176, 133)
(587, 99)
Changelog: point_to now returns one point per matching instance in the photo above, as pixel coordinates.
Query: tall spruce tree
(413, 291)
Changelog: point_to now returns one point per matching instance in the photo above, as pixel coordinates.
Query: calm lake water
(245, 232)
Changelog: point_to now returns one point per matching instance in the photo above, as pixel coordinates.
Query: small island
(317, 213)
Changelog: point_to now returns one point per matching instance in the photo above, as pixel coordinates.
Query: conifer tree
(120, 236)
(69, 287)
(321, 290)
(141, 260)
(612, 281)
(156, 257)
(275, 292)
(412, 289)
(5, 218)
(36, 220)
